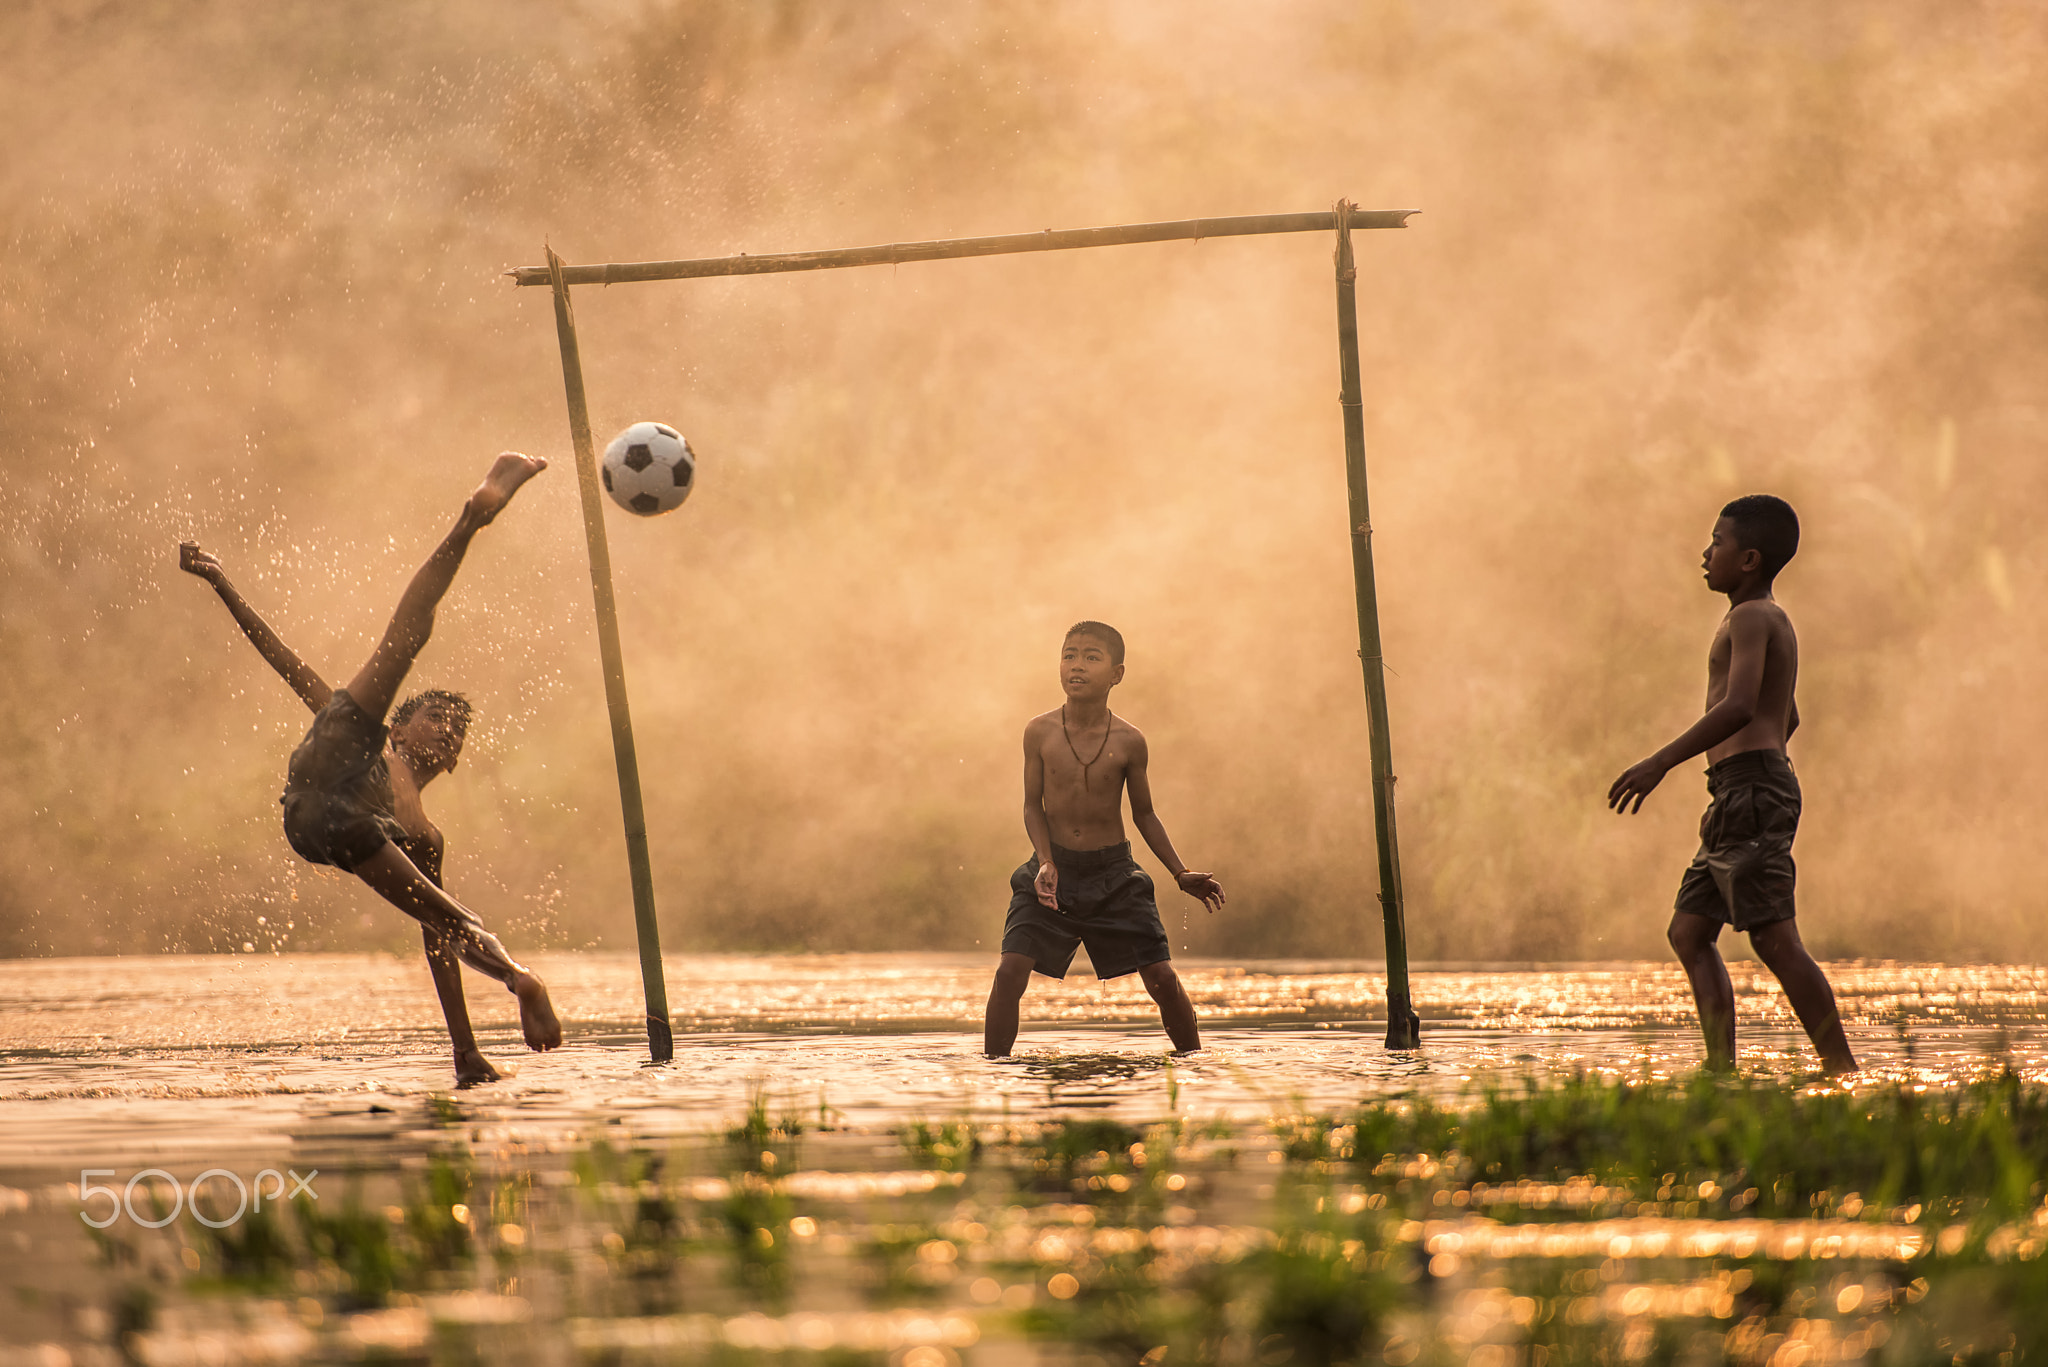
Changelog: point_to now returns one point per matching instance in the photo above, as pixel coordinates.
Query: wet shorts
(1106, 903)
(1743, 874)
(337, 797)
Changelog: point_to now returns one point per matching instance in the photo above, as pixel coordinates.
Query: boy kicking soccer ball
(347, 804)
(1081, 885)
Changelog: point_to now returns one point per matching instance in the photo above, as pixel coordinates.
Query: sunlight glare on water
(128, 1055)
(839, 1106)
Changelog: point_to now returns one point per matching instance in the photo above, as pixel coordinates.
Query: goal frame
(1403, 1026)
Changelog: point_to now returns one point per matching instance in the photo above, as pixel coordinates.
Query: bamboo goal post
(661, 1046)
(1404, 1030)
(1403, 1027)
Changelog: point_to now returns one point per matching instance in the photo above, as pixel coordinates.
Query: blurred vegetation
(1977, 1151)
(1669, 254)
(1327, 1238)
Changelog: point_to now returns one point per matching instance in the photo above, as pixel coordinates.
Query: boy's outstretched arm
(1748, 639)
(1201, 886)
(310, 687)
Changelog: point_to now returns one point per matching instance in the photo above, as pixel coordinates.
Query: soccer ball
(648, 469)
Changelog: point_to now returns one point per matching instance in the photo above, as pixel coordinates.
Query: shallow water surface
(803, 1176)
(115, 1058)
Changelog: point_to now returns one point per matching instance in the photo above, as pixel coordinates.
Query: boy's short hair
(1103, 632)
(1766, 524)
(452, 703)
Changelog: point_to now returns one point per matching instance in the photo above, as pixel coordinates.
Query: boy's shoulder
(1766, 610)
(1043, 729)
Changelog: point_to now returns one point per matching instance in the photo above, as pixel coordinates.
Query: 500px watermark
(121, 1200)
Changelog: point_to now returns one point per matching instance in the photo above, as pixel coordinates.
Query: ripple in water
(111, 1058)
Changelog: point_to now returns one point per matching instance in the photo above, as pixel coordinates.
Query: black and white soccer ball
(648, 469)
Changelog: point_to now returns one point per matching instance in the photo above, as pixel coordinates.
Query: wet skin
(1752, 672)
(426, 745)
(1079, 761)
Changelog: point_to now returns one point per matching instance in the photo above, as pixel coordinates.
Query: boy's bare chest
(1084, 764)
(1780, 656)
(1719, 650)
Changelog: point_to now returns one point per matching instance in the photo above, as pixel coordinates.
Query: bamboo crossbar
(1050, 240)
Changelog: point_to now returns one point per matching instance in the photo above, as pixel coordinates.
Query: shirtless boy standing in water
(348, 804)
(1743, 874)
(1081, 885)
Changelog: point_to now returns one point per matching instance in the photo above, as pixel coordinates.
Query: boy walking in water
(1081, 885)
(1743, 873)
(347, 804)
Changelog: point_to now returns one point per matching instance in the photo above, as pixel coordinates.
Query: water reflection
(85, 1006)
(867, 1184)
(105, 1058)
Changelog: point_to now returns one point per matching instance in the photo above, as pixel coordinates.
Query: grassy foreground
(1585, 1221)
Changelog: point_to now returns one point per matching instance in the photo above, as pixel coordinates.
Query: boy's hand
(192, 560)
(1637, 781)
(1047, 884)
(1203, 887)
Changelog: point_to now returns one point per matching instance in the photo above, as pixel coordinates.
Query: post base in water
(661, 1041)
(1404, 1027)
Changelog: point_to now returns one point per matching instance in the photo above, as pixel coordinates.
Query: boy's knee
(1159, 979)
(1013, 974)
(1690, 935)
(1778, 943)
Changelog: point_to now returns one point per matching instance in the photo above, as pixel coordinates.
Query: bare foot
(192, 560)
(508, 472)
(472, 1069)
(537, 1015)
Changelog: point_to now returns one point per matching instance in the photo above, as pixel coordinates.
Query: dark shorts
(1743, 874)
(337, 797)
(1105, 903)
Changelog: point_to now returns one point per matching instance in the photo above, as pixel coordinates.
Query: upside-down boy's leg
(394, 878)
(375, 685)
(445, 964)
(1693, 937)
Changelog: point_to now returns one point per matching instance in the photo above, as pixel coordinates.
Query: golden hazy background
(1668, 253)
